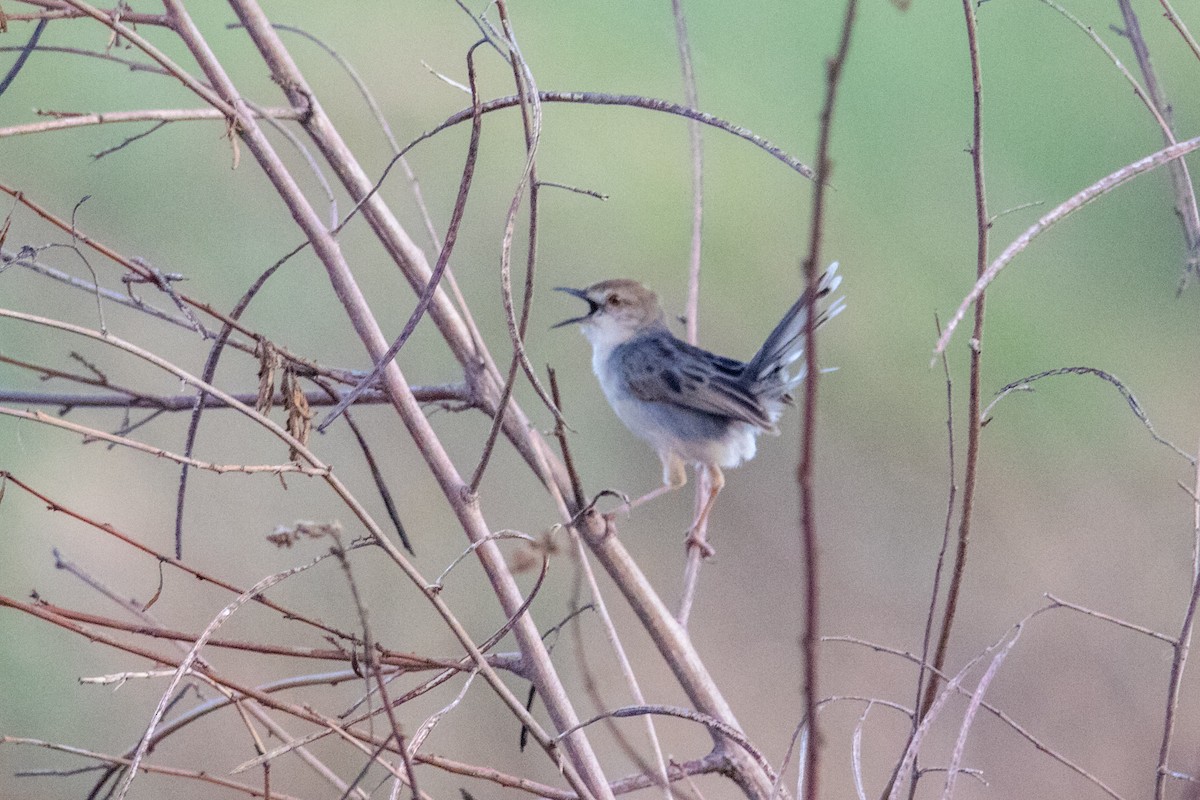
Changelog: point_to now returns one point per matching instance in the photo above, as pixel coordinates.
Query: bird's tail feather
(786, 343)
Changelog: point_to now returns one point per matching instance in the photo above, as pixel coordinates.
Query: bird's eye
(614, 300)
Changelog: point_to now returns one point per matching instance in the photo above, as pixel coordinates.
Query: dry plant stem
(58, 9)
(54, 505)
(1067, 207)
(130, 64)
(40, 612)
(531, 124)
(10, 258)
(94, 433)
(185, 666)
(938, 570)
(1120, 623)
(223, 783)
(407, 256)
(675, 645)
(1181, 180)
(975, 389)
(1179, 26)
(696, 544)
(960, 745)
(145, 115)
(68, 400)
(132, 265)
(365, 518)
(691, 98)
(810, 766)
(401, 661)
(632, 101)
(627, 671)
(426, 294)
(994, 711)
(590, 779)
(1181, 648)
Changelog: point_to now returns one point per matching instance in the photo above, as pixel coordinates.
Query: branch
(1065, 209)
(448, 393)
(67, 120)
(809, 769)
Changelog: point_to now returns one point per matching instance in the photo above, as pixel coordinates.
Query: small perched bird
(690, 405)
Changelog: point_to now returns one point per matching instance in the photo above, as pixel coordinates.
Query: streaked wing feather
(663, 369)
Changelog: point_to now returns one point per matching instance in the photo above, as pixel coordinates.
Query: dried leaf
(300, 416)
(268, 360)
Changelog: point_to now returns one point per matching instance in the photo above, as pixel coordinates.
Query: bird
(693, 406)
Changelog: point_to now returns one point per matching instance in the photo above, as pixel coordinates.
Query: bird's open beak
(593, 306)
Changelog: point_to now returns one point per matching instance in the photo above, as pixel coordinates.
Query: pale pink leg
(674, 476)
(696, 535)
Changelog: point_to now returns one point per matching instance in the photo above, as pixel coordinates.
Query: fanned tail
(786, 343)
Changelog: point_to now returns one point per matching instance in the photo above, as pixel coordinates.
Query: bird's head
(618, 310)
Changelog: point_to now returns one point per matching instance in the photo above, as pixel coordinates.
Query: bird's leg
(712, 479)
(674, 477)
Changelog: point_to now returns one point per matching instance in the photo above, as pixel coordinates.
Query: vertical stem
(695, 553)
(974, 423)
(808, 528)
(1182, 646)
(692, 100)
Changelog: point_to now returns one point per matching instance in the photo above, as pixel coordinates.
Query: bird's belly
(694, 436)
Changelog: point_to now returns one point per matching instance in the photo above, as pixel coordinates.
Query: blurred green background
(1075, 498)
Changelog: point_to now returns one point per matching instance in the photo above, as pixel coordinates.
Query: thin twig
(1175, 20)
(1120, 623)
(185, 666)
(974, 391)
(804, 476)
(81, 120)
(457, 394)
(531, 122)
(174, 772)
(697, 148)
(1179, 661)
(1155, 101)
(1072, 204)
(695, 550)
(1024, 385)
(939, 568)
(431, 286)
(19, 64)
(220, 469)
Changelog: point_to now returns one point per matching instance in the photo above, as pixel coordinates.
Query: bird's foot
(696, 537)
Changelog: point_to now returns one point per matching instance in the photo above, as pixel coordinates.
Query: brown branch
(1181, 179)
(133, 444)
(67, 121)
(1066, 208)
(1175, 20)
(1181, 649)
(431, 286)
(804, 474)
(696, 548)
(975, 390)
(58, 9)
(580, 757)
(531, 121)
(457, 394)
(630, 101)
(155, 769)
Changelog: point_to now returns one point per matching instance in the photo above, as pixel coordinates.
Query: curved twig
(1064, 209)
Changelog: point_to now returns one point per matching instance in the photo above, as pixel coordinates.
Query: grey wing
(662, 369)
